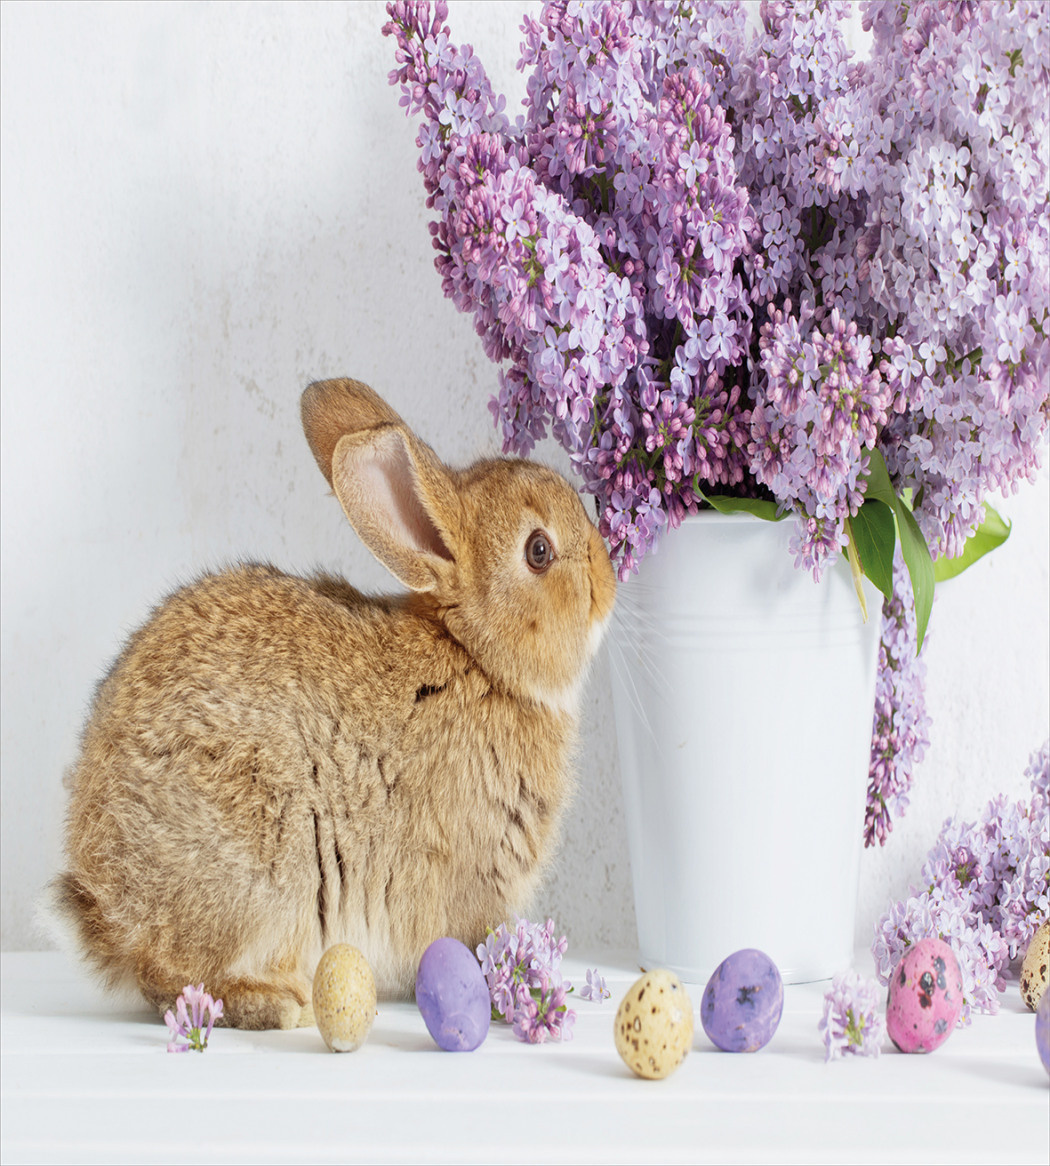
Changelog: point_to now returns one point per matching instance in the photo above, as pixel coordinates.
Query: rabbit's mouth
(603, 591)
(602, 579)
(597, 634)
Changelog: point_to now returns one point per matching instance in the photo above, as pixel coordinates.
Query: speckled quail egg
(654, 1024)
(344, 998)
(1034, 968)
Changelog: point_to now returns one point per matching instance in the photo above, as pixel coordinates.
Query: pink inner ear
(388, 480)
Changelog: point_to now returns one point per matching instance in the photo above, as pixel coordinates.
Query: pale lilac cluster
(522, 969)
(815, 416)
(901, 725)
(987, 889)
(908, 191)
(190, 1025)
(852, 1023)
(955, 246)
(1000, 865)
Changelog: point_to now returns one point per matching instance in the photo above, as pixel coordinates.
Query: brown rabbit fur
(275, 764)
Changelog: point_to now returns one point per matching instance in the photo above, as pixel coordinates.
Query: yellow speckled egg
(1035, 967)
(344, 998)
(654, 1024)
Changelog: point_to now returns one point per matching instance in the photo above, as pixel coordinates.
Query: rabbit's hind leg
(279, 1001)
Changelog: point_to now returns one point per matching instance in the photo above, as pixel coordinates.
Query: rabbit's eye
(539, 554)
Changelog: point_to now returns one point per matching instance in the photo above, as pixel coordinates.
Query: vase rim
(713, 515)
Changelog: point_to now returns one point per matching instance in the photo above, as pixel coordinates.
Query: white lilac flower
(852, 1022)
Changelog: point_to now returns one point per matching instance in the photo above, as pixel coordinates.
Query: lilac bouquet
(985, 890)
(727, 265)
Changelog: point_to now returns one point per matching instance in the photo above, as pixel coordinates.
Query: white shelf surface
(87, 1079)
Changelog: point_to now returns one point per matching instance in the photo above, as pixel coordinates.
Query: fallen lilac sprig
(984, 892)
(191, 1023)
(543, 1012)
(522, 968)
(852, 1022)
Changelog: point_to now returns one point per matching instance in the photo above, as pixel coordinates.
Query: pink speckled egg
(925, 997)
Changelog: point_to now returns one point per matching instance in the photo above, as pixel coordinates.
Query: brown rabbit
(276, 764)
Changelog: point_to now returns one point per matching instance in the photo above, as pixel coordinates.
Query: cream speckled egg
(654, 1024)
(344, 998)
(1035, 967)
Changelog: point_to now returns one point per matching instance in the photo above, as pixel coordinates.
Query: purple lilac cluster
(852, 1023)
(190, 1025)
(987, 889)
(901, 725)
(720, 256)
(523, 971)
(596, 245)
(691, 210)
(819, 406)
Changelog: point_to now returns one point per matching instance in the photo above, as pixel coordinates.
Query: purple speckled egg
(1042, 1030)
(453, 996)
(925, 997)
(742, 1002)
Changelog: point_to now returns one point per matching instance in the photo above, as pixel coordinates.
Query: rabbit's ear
(331, 409)
(401, 502)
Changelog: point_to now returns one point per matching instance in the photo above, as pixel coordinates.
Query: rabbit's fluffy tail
(69, 915)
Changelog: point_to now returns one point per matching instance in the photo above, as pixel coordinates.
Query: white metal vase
(744, 694)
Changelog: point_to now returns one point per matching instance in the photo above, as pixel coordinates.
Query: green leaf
(760, 507)
(857, 572)
(919, 562)
(879, 487)
(992, 533)
(873, 532)
(914, 548)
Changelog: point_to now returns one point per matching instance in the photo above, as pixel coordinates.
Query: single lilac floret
(191, 1023)
(595, 988)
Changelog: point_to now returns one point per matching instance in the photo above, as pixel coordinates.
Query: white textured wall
(204, 208)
